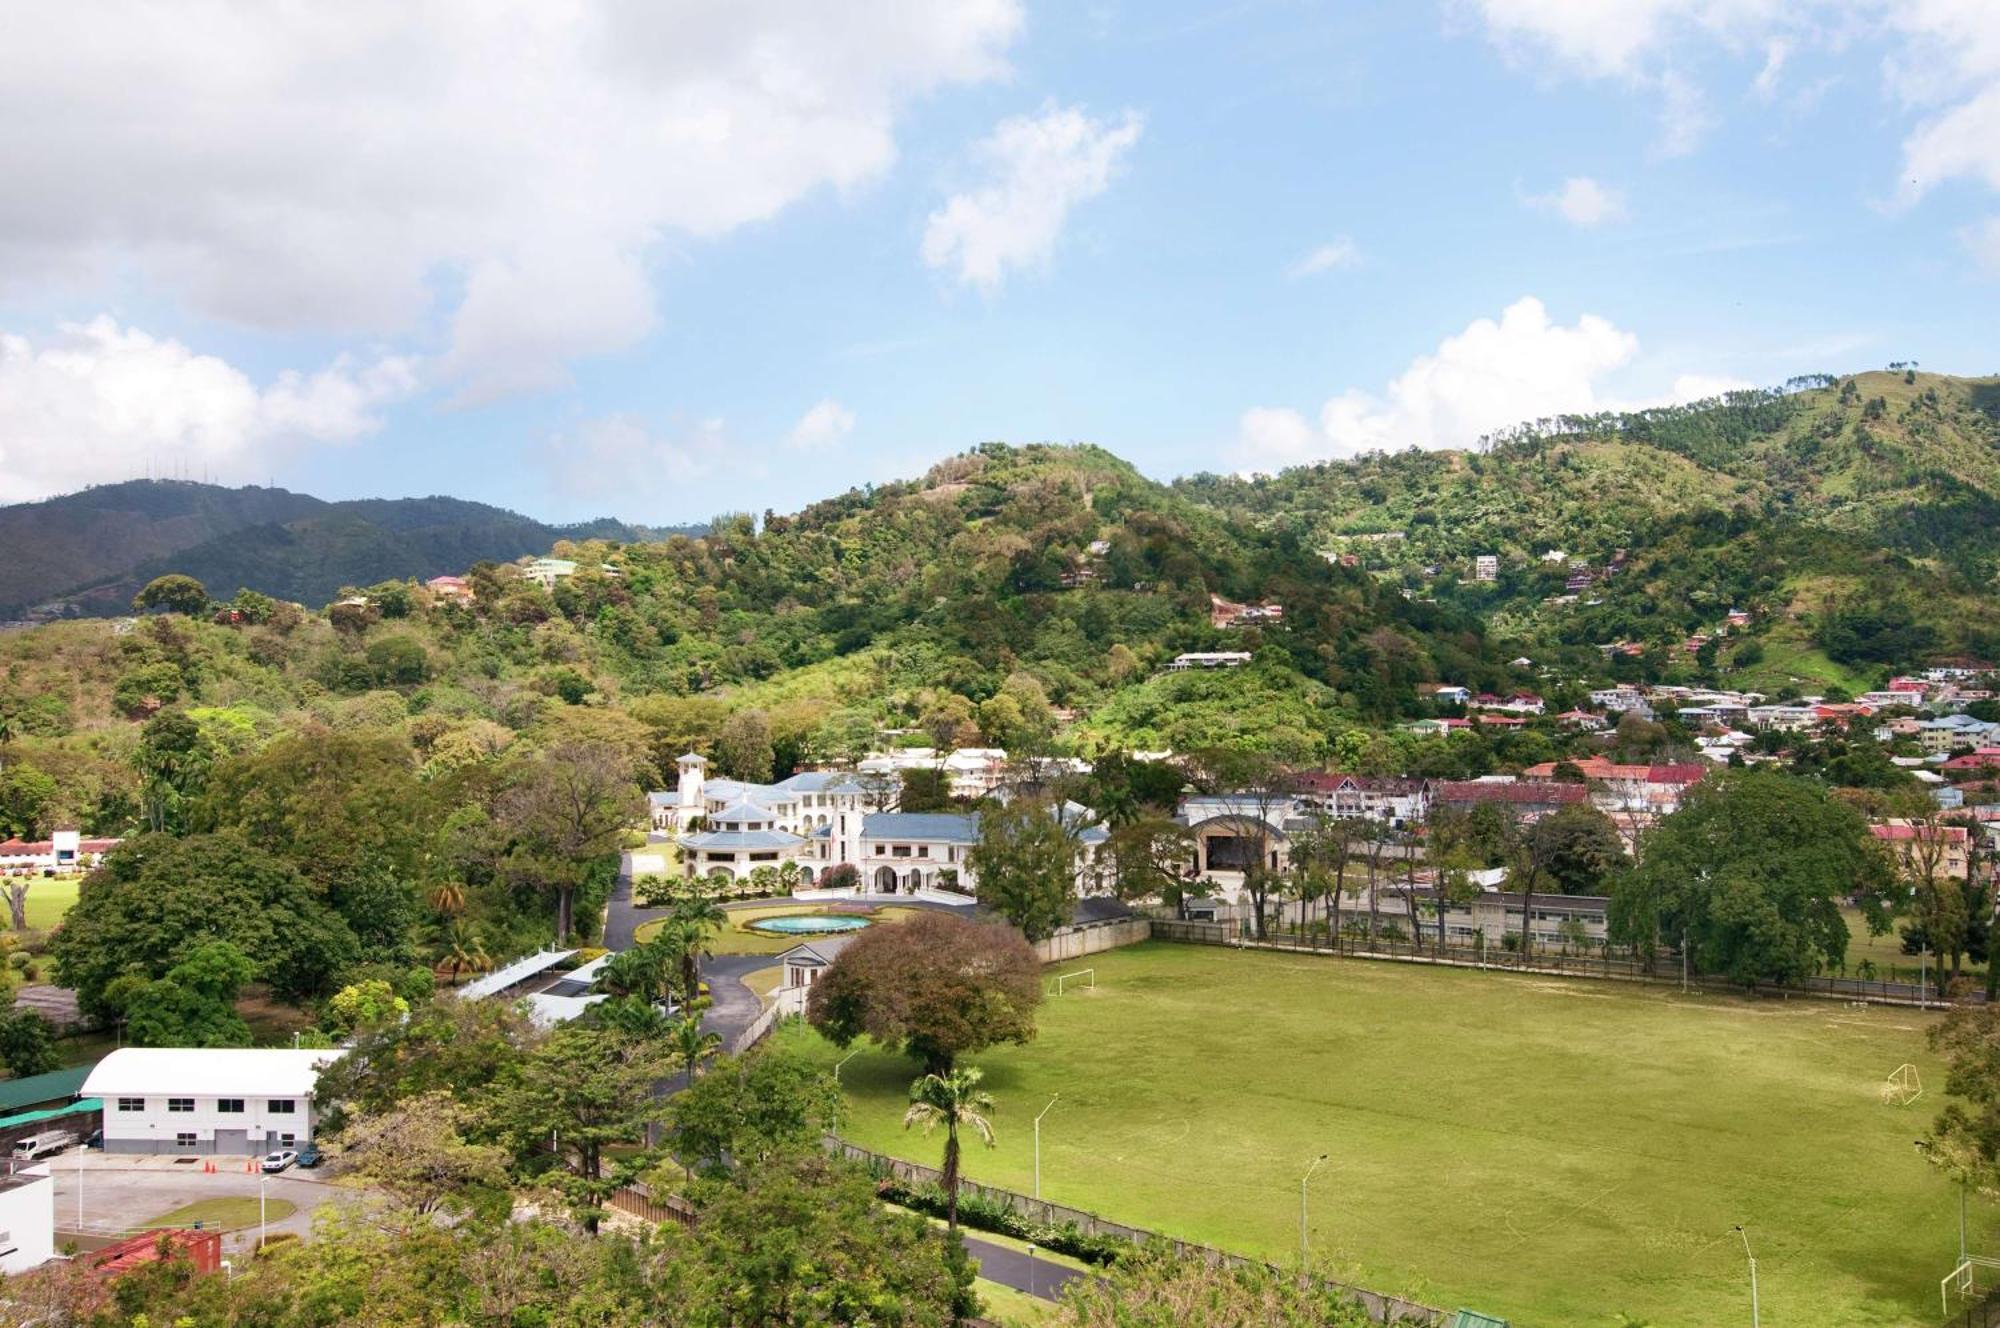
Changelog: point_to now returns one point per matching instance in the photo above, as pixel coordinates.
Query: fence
(641, 1202)
(1381, 1307)
(1092, 938)
(784, 1003)
(1546, 962)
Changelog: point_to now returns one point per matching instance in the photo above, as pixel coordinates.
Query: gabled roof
(712, 841)
(823, 949)
(741, 811)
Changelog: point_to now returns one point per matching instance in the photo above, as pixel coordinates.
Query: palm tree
(685, 938)
(691, 1044)
(634, 1016)
(956, 1101)
(644, 971)
(447, 898)
(463, 948)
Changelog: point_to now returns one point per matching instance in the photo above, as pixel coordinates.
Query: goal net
(1903, 1086)
(1965, 1280)
(1084, 977)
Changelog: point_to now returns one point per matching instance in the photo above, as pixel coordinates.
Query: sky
(665, 260)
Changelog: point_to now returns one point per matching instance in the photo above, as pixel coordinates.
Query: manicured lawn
(1553, 1152)
(738, 939)
(50, 899)
(1885, 952)
(229, 1214)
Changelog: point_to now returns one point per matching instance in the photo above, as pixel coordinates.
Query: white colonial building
(822, 819)
(206, 1100)
(27, 1219)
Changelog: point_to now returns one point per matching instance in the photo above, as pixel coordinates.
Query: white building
(1486, 567)
(821, 819)
(1208, 659)
(27, 1219)
(64, 852)
(206, 1100)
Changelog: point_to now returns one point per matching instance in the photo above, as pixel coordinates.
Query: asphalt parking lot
(122, 1193)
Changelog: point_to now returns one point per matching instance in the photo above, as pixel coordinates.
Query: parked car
(310, 1156)
(278, 1161)
(43, 1144)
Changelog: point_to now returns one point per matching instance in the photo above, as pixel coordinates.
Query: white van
(41, 1145)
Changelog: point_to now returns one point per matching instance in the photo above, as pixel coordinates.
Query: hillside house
(1444, 693)
(451, 589)
(1208, 659)
(1224, 613)
(1398, 803)
(63, 853)
(1486, 567)
(1529, 800)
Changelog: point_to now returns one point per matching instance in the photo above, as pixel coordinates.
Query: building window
(923, 850)
(185, 1139)
(288, 1139)
(229, 1105)
(281, 1106)
(131, 1104)
(183, 1104)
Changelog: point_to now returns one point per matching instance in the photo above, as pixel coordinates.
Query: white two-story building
(200, 1100)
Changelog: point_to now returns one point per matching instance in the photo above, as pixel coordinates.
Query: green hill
(97, 547)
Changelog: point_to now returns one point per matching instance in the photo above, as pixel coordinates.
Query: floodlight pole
(80, 1151)
(1038, 1145)
(1753, 1274)
(263, 1223)
(1303, 1182)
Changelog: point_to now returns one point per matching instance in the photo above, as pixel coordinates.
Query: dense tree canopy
(1752, 870)
(934, 986)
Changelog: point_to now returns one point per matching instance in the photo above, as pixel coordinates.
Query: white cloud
(1490, 376)
(1942, 61)
(1039, 168)
(505, 171)
(1584, 202)
(1337, 254)
(627, 460)
(98, 402)
(825, 425)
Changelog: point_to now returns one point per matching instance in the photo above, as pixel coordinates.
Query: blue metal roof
(948, 827)
(726, 840)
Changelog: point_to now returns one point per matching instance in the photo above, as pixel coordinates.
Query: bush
(983, 1213)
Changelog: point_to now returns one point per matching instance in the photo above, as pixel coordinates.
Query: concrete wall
(28, 1221)
(1092, 938)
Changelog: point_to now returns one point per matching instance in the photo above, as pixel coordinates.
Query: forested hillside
(99, 546)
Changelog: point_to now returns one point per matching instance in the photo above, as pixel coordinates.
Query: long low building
(198, 1100)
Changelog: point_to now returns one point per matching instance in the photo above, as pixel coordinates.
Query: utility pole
(1303, 1182)
(1753, 1274)
(1038, 1145)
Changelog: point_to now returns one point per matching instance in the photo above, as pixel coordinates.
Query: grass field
(1554, 1152)
(229, 1214)
(49, 899)
(738, 939)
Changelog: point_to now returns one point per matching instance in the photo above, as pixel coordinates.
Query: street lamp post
(1753, 1274)
(81, 1149)
(1038, 1145)
(1303, 1182)
(263, 1226)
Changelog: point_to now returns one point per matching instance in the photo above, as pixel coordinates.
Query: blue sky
(599, 259)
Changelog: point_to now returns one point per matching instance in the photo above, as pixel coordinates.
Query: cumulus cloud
(1524, 366)
(1583, 202)
(627, 460)
(1039, 168)
(98, 402)
(505, 171)
(1335, 255)
(827, 424)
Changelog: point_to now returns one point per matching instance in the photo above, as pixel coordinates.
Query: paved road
(1010, 1267)
(121, 1192)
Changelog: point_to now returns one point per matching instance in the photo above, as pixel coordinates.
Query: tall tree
(935, 986)
(955, 1101)
(743, 748)
(172, 593)
(586, 1089)
(1152, 857)
(565, 814)
(1025, 862)
(1752, 869)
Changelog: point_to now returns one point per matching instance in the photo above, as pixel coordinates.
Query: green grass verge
(1017, 1309)
(227, 1214)
(1554, 1152)
(738, 939)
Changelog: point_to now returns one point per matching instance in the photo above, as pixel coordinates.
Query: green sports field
(1555, 1152)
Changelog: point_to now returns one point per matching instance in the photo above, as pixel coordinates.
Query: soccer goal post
(1903, 1086)
(1088, 976)
(1959, 1280)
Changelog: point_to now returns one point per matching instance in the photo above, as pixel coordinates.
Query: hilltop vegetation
(1030, 597)
(99, 546)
